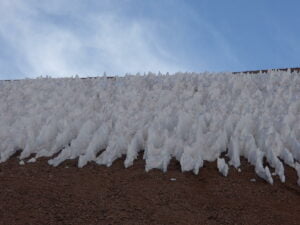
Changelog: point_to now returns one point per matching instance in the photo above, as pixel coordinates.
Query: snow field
(192, 117)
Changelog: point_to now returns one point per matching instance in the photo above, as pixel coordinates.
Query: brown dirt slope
(40, 194)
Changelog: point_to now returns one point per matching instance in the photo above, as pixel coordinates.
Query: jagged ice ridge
(192, 117)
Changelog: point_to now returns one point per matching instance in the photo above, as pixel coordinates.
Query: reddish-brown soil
(41, 194)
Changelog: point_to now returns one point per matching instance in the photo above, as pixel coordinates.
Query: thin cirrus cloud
(69, 37)
(57, 39)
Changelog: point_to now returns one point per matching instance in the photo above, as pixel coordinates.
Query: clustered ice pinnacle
(192, 117)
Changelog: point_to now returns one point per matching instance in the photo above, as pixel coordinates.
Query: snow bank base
(192, 117)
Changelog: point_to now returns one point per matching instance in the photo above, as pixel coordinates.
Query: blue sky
(88, 37)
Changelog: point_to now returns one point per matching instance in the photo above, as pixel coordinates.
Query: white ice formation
(191, 117)
(222, 166)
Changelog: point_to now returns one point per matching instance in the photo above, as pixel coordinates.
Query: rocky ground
(37, 193)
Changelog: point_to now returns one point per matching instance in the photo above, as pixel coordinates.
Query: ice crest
(190, 117)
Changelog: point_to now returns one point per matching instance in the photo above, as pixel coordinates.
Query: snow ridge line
(192, 117)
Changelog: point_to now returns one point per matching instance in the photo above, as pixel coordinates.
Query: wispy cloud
(68, 37)
(215, 51)
(58, 40)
